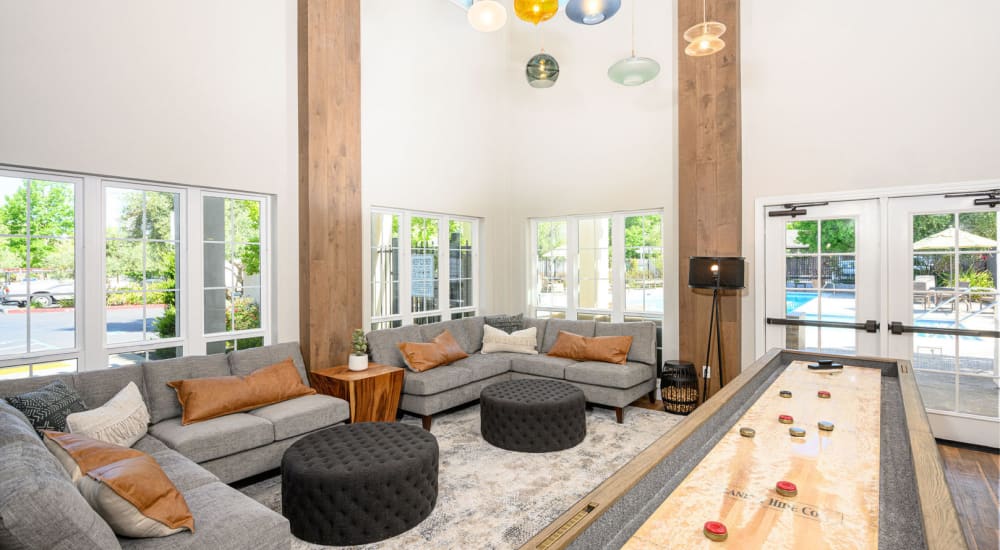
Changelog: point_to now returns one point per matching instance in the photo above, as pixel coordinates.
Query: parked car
(44, 292)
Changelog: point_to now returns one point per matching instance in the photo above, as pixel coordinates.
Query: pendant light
(704, 37)
(592, 12)
(542, 71)
(487, 15)
(634, 71)
(536, 11)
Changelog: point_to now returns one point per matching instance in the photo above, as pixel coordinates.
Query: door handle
(868, 326)
(897, 328)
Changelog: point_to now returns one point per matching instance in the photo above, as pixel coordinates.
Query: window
(38, 271)
(153, 243)
(233, 302)
(418, 258)
(606, 267)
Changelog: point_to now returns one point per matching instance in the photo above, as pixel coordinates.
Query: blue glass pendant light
(592, 12)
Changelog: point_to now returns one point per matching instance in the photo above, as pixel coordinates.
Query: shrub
(166, 325)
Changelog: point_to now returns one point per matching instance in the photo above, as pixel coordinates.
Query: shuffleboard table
(784, 456)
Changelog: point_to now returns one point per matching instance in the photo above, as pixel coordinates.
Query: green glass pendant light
(633, 70)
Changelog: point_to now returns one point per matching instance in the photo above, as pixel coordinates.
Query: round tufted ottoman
(359, 483)
(533, 416)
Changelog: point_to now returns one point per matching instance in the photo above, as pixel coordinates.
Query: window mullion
(91, 292)
(406, 265)
(192, 275)
(572, 258)
(618, 268)
(444, 268)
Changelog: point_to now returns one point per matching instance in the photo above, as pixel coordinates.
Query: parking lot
(54, 328)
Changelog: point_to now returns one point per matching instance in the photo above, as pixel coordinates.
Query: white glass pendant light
(487, 15)
(633, 70)
(704, 38)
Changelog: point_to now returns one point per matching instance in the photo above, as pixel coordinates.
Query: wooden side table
(372, 394)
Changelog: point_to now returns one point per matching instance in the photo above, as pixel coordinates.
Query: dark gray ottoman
(533, 416)
(359, 483)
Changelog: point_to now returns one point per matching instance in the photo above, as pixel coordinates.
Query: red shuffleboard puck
(786, 488)
(715, 530)
(823, 394)
(785, 419)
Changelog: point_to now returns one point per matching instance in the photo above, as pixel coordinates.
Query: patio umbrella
(946, 239)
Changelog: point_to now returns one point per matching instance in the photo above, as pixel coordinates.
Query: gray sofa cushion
(610, 375)
(39, 505)
(244, 362)
(436, 380)
(214, 438)
(150, 445)
(303, 414)
(224, 518)
(182, 471)
(552, 328)
(161, 399)
(97, 386)
(539, 325)
(643, 338)
(21, 385)
(485, 366)
(468, 332)
(541, 365)
(382, 344)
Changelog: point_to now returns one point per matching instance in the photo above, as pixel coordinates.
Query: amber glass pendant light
(704, 38)
(536, 11)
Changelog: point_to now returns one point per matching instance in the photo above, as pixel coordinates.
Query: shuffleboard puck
(715, 530)
(823, 394)
(796, 431)
(786, 488)
(825, 364)
(826, 425)
(785, 393)
(785, 419)
(748, 432)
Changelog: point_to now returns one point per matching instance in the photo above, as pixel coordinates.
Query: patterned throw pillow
(506, 323)
(47, 407)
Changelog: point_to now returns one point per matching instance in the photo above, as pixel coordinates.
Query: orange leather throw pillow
(126, 487)
(207, 398)
(442, 350)
(610, 349)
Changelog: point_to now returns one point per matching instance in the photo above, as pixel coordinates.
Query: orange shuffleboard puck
(716, 531)
(786, 488)
(786, 419)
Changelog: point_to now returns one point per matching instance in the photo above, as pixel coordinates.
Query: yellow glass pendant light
(536, 11)
(704, 38)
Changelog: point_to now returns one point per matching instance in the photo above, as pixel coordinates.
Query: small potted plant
(359, 351)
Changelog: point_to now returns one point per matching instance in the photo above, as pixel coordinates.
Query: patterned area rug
(492, 498)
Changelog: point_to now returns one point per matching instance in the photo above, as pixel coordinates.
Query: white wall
(433, 123)
(188, 91)
(588, 144)
(858, 95)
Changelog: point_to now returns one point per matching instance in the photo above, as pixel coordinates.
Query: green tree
(243, 218)
(835, 235)
(52, 215)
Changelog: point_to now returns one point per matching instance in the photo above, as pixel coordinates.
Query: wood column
(330, 307)
(710, 180)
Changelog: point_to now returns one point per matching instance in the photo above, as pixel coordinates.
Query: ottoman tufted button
(357, 484)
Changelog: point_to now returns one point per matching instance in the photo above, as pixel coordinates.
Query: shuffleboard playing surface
(837, 473)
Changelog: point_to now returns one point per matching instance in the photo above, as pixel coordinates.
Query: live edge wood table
(875, 481)
(372, 394)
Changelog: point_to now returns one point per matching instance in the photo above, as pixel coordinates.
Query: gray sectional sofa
(199, 458)
(441, 388)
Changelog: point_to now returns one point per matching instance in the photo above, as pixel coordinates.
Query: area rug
(492, 498)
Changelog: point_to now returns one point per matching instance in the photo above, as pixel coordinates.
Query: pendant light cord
(634, 2)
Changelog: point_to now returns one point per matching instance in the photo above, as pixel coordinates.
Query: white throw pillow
(521, 341)
(123, 420)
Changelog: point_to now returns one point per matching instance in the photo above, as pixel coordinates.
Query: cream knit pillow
(521, 341)
(123, 420)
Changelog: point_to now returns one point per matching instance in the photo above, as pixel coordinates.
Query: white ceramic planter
(357, 362)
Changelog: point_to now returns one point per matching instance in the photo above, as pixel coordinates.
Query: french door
(822, 277)
(942, 306)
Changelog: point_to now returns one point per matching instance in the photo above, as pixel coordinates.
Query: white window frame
(92, 352)
(198, 273)
(68, 354)
(617, 313)
(444, 310)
